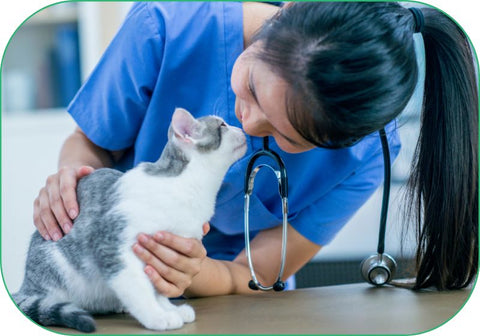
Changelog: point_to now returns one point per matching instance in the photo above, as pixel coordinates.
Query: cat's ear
(184, 125)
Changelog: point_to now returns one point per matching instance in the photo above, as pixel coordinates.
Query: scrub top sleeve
(322, 220)
(111, 105)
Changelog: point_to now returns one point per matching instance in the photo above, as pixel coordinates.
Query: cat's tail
(48, 312)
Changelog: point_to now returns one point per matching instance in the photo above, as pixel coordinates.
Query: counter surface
(355, 308)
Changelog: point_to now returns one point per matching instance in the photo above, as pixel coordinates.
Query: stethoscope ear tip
(252, 285)
(279, 286)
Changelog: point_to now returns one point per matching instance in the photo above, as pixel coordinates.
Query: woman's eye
(249, 88)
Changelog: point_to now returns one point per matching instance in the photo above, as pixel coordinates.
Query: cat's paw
(168, 320)
(187, 313)
(159, 324)
(173, 319)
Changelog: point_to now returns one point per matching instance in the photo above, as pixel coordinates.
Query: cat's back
(97, 188)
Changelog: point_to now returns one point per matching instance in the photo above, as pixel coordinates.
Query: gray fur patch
(173, 160)
(171, 163)
(101, 235)
(211, 135)
(95, 235)
(39, 274)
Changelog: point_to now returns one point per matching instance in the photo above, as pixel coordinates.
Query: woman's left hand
(171, 261)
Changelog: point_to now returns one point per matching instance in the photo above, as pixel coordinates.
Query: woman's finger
(171, 279)
(190, 247)
(206, 228)
(37, 220)
(166, 254)
(57, 207)
(161, 285)
(47, 217)
(68, 180)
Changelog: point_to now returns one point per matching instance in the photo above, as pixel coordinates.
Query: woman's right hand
(56, 205)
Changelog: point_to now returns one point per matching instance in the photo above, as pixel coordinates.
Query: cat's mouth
(241, 146)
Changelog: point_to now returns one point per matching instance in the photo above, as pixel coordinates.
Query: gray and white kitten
(93, 270)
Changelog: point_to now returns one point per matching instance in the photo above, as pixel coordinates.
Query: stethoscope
(281, 175)
(378, 269)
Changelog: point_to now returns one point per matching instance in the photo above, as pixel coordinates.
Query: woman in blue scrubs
(320, 79)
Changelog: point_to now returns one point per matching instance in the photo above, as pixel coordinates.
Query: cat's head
(206, 137)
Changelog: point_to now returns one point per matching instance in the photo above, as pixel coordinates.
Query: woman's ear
(184, 125)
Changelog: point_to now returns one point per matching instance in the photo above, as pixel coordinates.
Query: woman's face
(260, 103)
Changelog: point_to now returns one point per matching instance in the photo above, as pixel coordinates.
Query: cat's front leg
(138, 295)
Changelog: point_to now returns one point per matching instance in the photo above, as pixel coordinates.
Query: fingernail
(143, 238)
(137, 248)
(148, 271)
(159, 236)
(47, 237)
(72, 213)
(67, 227)
(56, 236)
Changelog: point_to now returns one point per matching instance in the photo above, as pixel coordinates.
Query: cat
(93, 270)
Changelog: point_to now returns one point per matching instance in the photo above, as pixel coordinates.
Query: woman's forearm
(219, 277)
(78, 150)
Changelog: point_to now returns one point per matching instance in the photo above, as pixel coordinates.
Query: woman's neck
(254, 15)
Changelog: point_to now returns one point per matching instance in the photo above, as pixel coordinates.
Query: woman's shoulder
(180, 11)
(179, 20)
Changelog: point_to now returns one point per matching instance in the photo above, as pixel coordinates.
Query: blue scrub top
(181, 54)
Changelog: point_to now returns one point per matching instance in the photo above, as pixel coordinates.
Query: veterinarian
(319, 78)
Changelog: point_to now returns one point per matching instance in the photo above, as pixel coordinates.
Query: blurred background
(46, 61)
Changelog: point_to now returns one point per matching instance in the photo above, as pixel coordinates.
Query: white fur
(176, 204)
(137, 293)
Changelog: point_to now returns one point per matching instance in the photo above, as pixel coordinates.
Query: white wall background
(30, 147)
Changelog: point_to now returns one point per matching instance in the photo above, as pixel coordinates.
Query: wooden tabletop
(351, 309)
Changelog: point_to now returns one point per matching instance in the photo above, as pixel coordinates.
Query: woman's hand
(171, 261)
(56, 205)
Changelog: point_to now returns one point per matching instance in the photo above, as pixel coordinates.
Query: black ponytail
(443, 187)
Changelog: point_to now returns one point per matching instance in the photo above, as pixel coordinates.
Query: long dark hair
(352, 69)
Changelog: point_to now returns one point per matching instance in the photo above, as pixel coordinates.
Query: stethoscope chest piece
(378, 269)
